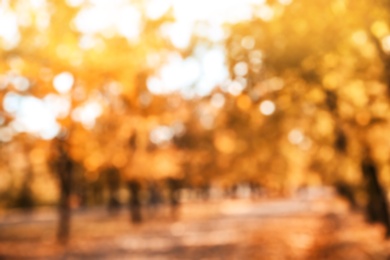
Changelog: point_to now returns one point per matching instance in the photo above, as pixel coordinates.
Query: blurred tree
(305, 102)
(59, 64)
(324, 65)
(63, 165)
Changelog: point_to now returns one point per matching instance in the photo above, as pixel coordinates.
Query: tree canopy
(281, 93)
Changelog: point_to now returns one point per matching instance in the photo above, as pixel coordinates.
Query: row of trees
(306, 103)
(333, 59)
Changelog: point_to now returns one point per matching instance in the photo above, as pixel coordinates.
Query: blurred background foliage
(278, 94)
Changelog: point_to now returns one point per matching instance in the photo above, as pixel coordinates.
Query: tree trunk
(174, 195)
(64, 219)
(113, 182)
(25, 198)
(346, 191)
(377, 206)
(134, 188)
(64, 203)
(64, 167)
(155, 198)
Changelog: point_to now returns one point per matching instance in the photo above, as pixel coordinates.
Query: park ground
(274, 228)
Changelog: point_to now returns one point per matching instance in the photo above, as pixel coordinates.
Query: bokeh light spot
(267, 107)
(63, 82)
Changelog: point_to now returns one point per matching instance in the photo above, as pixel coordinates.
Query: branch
(378, 45)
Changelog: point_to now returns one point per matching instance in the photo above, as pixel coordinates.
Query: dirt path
(236, 229)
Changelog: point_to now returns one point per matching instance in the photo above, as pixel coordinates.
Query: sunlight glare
(161, 134)
(214, 70)
(217, 100)
(33, 116)
(219, 11)
(386, 44)
(11, 102)
(285, 2)
(107, 18)
(128, 23)
(248, 42)
(74, 3)
(157, 8)
(38, 3)
(20, 83)
(87, 113)
(205, 18)
(59, 105)
(267, 107)
(295, 136)
(90, 41)
(174, 75)
(9, 30)
(265, 13)
(6, 134)
(240, 69)
(92, 20)
(235, 88)
(179, 33)
(63, 82)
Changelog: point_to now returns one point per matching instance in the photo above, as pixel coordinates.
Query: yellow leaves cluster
(156, 165)
(324, 124)
(379, 138)
(339, 6)
(225, 142)
(355, 93)
(94, 161)
(332, 80)
(38, 156)
(380, 28)
(244, 103)
(316, 95)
